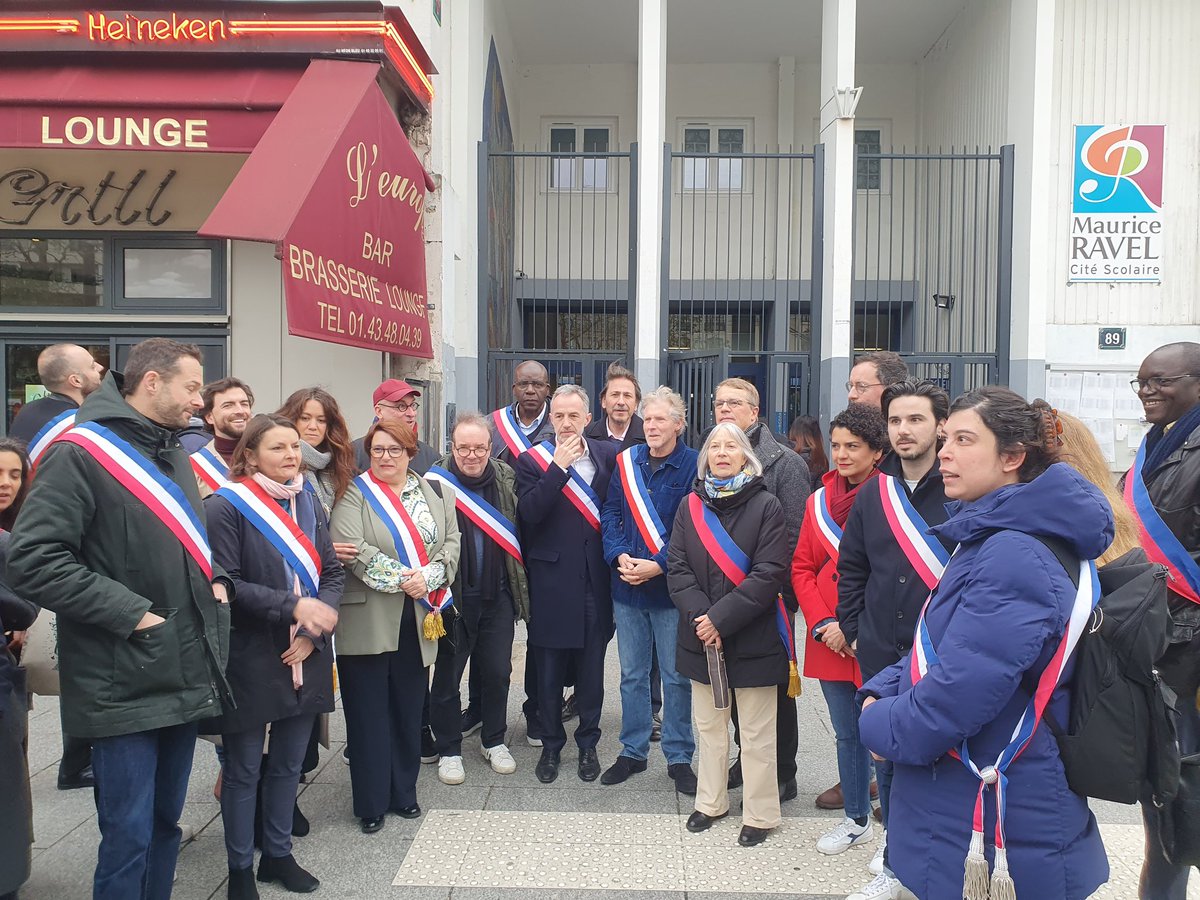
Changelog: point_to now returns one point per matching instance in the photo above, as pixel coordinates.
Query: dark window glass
(21, 382)
(51, 272)
(867, 171)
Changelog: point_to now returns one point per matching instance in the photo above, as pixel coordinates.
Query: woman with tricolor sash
(980, 806)
(393, 612)
(857, 438)
(726, 565)
(272, 539)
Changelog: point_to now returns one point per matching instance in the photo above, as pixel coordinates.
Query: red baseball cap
(392, 390)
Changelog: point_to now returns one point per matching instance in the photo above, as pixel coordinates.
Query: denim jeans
(141, 783)
(640, 630)
(854, 762)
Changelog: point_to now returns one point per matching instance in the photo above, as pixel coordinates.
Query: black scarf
(481, 561)
(1160, 446)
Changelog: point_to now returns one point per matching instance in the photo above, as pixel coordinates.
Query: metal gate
(695, 374)
(933, 262)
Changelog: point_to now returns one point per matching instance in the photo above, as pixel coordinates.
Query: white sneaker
(848, 834)
(875, 866)
(501, 760)
(450, 770)
(533, 741)
(186, 833)
(882, 887)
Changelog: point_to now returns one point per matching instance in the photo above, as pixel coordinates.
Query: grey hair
(728, 429)
(572, 390)
(663, 394)
(471, 417)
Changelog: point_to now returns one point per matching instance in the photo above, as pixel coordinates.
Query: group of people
(203, 585)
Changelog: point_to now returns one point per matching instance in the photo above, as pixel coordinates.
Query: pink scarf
(287, 492)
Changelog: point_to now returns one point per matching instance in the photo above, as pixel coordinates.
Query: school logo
(1116, 203)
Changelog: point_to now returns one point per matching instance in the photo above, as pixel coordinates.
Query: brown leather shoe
(874, 791)
(832, 798)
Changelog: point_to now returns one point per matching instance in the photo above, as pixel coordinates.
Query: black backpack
(1120, 742)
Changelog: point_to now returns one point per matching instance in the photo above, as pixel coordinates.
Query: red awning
(78, 107)
(336, 186)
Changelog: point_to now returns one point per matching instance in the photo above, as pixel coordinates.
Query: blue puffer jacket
(999, 612)
(669, 484)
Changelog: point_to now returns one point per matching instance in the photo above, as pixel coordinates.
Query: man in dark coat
(786, 476)
(880, 593)
(571, 618)
(620, 424)
(141, 627)
(1168, 384)
(399, 400)
(70, 373)
(529, 410)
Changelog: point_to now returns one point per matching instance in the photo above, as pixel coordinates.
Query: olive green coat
(369, 620)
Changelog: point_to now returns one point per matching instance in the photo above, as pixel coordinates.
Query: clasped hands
(706, 631)
(832, 637)
(634, 570)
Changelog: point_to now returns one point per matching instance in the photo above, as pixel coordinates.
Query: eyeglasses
(1156, 383)
(732, 404)
(403, 407)
(472, 451)
(529, 385)
(861, 386)
(393, 452)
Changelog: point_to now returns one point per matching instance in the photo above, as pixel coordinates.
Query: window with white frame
(870, 137)
(572, 171)
(724, 138)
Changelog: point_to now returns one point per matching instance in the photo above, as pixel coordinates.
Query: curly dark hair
(865, 423)
(1017, 424)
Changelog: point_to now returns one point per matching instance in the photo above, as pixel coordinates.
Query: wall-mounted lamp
(846, 100)
(943, 301)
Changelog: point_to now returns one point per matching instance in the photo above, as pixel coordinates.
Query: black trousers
(787, 733)
(483, 633)
(382, 696)
(76, 756)
(554, 667)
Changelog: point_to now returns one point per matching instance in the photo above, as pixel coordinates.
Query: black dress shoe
(751, 836)
(81, 779)
(300, 826)
(684, 778)
(547, 767)
(787, 790)
(241, 885)
(735, 774)
(409, 812)
(569, 709)
(698, 821)
(372, 824)
(655, 728)
(287, 872)
(620, 770)
(589, 764)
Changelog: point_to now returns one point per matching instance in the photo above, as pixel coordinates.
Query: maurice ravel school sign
(1116, 204)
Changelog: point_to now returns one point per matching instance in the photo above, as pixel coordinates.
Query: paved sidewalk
(510, 836)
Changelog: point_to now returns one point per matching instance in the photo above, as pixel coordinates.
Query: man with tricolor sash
(888, 561)
(559, 486)
(112, 539)
(70, 373)
(525, 422)
(228, 406)
(1162, 489)
(650, 482)
(491, 592)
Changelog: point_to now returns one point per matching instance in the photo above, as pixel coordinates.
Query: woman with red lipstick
(858, 437)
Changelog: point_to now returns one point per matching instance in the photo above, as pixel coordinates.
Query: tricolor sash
(735, 564)
(510, 431)
(156, 491)
(1159, 542)
(409, 545)
(924, 656)
(637, 498)
(49, 433)
(490, 520)
(924, 552)
(269, 519)
(578, 491)
(829, 532)
(209, 467)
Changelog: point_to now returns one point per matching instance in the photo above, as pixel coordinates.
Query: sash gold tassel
(793, 679)
(433, 627)
(1003, 887)
(975, 878)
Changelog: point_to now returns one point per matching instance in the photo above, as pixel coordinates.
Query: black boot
(300, 827)
(241, 884)
(287, 872)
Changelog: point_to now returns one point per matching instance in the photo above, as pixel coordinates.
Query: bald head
(1170, 382)
(531, 387)
(70, 370)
